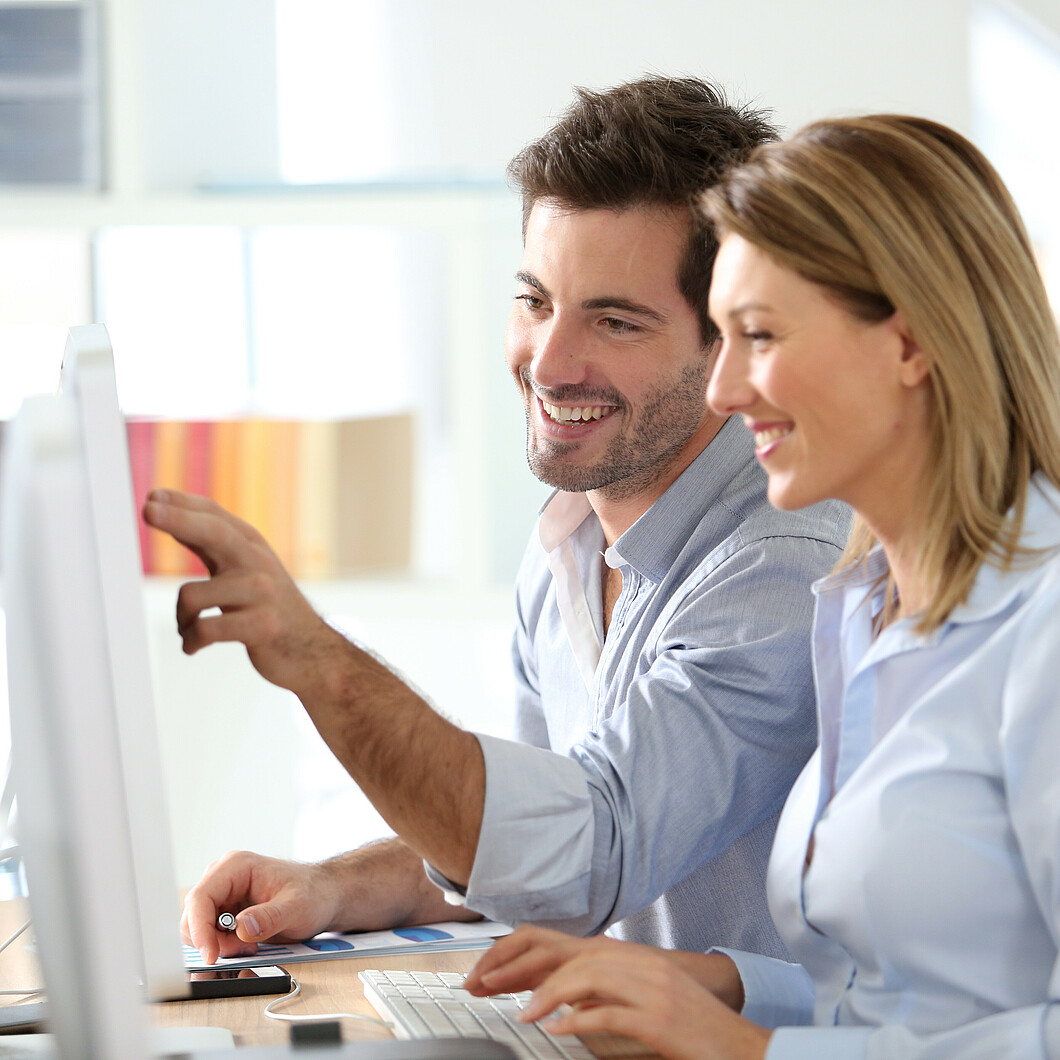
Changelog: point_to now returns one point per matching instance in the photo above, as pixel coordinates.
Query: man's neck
(618, 511)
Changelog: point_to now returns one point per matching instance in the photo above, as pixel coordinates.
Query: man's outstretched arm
(424, 775)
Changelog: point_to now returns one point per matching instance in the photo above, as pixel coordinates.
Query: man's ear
(914, 367)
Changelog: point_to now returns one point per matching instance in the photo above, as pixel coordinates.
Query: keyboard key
(435, 1005)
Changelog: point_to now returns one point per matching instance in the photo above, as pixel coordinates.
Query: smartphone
(239, 982)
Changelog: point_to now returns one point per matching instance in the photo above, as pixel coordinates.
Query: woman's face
(838, 406)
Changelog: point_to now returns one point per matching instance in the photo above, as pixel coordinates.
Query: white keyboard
(435, 1005)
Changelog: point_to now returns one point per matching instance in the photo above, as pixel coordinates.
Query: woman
(887, 338)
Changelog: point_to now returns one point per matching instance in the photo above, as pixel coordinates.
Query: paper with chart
(448, 935)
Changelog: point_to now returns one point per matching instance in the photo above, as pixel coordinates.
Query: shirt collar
(561, 515)
(994, 588)
(653, 543)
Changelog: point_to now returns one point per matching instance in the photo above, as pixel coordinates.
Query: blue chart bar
(328, 945)
(422, 934)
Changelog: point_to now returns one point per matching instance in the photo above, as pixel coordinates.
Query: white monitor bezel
(65, 749)
(88, 376)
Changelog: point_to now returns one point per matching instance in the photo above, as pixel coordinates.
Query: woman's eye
(758, 336)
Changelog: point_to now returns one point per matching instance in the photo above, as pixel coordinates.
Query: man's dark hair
(658, 141)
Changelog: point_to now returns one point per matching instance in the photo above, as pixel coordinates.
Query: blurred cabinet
(50, 106)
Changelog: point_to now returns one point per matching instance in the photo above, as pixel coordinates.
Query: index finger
(219, 538)
(213, 894)
(586, 978)
(499, 954)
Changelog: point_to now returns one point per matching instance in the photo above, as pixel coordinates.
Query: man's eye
(619, 326)
(531, 301)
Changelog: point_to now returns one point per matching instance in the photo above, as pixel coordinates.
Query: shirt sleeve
(776, 993)
(704, 747)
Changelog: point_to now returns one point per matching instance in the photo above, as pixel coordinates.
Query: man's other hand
(273, 900)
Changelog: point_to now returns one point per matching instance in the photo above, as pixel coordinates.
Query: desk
(327, 986)
(333, 986)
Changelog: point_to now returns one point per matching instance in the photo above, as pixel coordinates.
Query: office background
(296, 209)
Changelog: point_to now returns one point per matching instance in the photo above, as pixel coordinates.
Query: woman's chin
(789, 496)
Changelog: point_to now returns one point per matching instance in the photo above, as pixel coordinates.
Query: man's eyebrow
(625, 305)
(532, 281)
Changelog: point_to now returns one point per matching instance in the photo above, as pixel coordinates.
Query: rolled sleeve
(536, 843)
(776, 993)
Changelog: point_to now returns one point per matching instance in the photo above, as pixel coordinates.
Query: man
(661, 652)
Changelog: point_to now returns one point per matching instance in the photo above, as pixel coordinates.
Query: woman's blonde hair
(891, 212)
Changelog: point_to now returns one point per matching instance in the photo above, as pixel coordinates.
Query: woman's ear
(914, 367)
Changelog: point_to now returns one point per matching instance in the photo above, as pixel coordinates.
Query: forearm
(714, 971)
(383, 885)
(424, 775)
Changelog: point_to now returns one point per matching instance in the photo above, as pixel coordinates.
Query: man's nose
(561, 356)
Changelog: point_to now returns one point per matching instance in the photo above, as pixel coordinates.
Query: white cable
(7, 942)
(296, 989)
(3, 946)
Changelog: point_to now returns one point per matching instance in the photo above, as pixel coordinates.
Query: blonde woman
(887, 338)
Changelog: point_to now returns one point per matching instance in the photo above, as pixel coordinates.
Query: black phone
(239, 982)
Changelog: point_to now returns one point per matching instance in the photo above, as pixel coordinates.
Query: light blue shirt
(653, 763)
(928, 919)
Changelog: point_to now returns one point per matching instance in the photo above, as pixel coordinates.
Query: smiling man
(665, 701)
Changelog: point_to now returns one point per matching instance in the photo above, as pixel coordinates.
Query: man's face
(606, 350)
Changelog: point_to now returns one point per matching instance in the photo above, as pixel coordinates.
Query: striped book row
(332, 497)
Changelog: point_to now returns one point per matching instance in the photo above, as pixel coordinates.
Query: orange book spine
(225, 458)
(253, 485)
(170, 471)
(280, 476)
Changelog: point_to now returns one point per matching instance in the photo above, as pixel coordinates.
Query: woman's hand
(641, 993)
(525, 958)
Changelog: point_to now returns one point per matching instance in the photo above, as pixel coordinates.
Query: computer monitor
(66, 754)
(94, 826)
(88, 376)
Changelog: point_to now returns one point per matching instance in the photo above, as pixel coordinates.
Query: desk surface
(327, 986)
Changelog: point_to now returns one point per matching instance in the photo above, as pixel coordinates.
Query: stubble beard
(640, 455)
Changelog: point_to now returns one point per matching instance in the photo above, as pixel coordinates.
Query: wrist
(717, 973)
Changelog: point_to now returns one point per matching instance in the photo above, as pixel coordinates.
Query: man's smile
(575, 413)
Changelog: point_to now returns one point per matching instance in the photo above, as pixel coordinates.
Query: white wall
(498, 72)
(470, 82)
